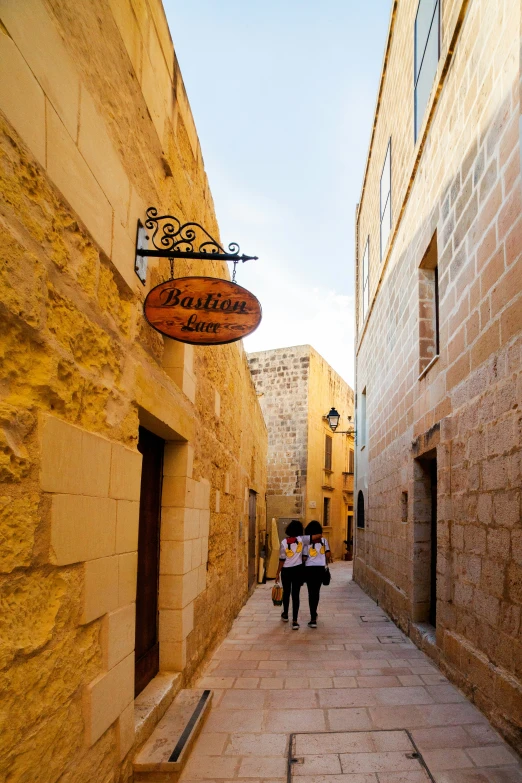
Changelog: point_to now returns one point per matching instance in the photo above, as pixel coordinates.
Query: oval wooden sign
(202, 310)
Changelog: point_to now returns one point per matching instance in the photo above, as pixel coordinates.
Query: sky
(283, 94)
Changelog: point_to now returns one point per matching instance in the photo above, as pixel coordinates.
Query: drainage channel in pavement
(370, 753)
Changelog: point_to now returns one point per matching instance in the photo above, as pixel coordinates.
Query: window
(326, 512)
(427, 53)
(366, 279)
(350, 461)
(429, 341)
(362, 420)
(327, 452)
(404, 507)
(360, 509)
(386, 215)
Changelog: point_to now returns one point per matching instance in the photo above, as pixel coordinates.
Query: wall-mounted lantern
(333, 418)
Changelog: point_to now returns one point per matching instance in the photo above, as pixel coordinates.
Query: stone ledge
(167, 750)
(423, 635)
(153, 702)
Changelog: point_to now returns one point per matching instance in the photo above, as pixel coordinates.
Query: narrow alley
(358, 682)
(261, 281)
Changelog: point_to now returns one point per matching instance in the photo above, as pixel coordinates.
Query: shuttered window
(327, 452)
(326, 512)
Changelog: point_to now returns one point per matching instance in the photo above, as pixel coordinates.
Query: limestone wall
(95, 126)
(328, 389)
(456, 196)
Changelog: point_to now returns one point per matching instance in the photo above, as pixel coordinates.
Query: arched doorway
(360, 509)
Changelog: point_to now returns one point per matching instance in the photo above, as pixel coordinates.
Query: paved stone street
(355, 674)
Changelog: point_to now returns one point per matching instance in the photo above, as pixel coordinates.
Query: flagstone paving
(350, 675)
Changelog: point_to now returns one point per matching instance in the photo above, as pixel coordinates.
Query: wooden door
(349, 538)
(252, 514)
(433, 558)
(147, 645)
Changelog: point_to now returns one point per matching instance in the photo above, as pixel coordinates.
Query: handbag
(277, 594)
(327, 576)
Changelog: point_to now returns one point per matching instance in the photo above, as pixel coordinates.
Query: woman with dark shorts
(316, 556)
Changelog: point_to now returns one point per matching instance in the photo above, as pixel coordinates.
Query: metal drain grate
(358, 753)
(178, 750)
(391, 639)
(374, 618)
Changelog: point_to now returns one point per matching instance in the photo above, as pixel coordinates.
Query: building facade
(132, 466)
(439, 341)
(310, 469)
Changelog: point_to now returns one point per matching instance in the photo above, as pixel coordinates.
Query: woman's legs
(286, 581)
(297, 581)
(292, 580)
(314, 580)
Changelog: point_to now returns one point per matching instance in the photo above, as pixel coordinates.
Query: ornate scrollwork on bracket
(169, 234)
(172, 239)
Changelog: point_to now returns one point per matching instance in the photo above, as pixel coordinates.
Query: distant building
(310, 469)
(439, 345)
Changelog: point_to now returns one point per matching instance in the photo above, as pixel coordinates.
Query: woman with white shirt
(316, 556)
(291, 568)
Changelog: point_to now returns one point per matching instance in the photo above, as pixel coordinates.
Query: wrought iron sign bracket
(170, 238)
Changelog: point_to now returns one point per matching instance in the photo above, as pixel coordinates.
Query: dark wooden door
(147, 645)
(252, 514)
(349, 538)
(433, 583)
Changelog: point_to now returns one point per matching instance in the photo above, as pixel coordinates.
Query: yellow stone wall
(296, 389)
(95, 126)
(326, 389)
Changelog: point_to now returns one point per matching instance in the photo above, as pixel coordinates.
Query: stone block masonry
(441, 472)
(281, 379)
(95, 126)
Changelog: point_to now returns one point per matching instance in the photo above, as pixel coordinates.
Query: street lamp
(333, 418)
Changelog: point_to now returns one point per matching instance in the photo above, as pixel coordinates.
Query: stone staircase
(165, 753)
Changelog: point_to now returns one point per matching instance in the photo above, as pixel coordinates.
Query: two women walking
(302, 558)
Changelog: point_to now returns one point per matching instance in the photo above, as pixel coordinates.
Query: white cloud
(295, 313)
(294, 282)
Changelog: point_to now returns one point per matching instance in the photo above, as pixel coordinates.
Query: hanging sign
(202, 310)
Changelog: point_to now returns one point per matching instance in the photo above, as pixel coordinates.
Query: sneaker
(295, 625)
(312, 624)
(284, 617)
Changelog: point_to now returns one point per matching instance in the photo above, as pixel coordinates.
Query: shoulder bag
(327, 576)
